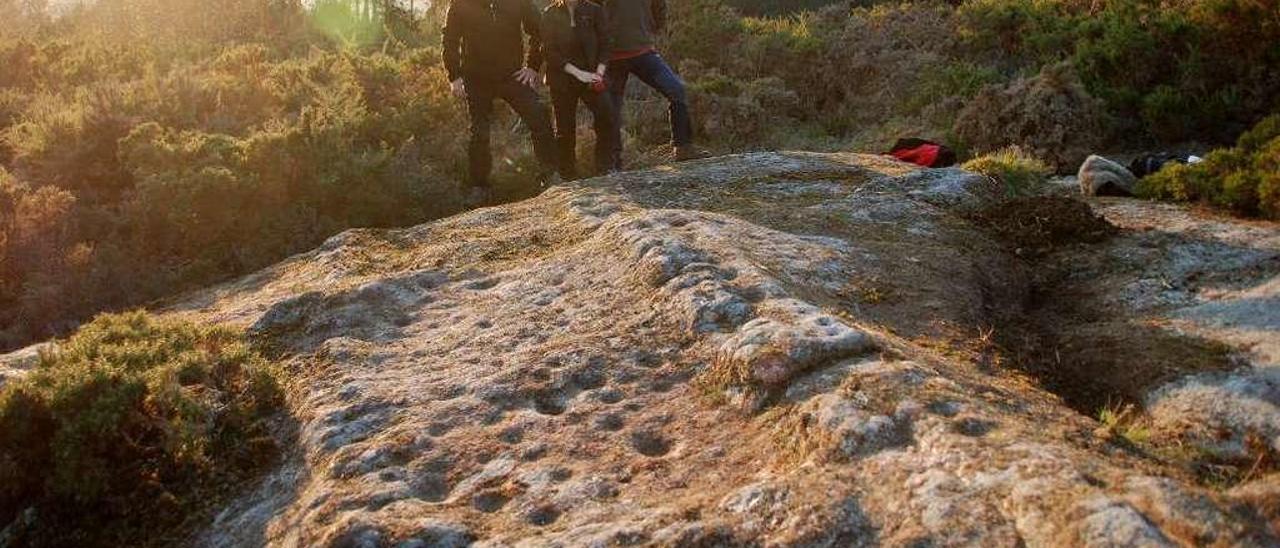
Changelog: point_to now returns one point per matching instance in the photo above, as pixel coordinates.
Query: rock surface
(16, 364)
(756, 349)
(1219, 279)
(1099, 176)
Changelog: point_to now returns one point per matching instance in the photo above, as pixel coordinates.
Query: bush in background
(1050, 116)
(127, 423)
(153, 146)
(39, 257)
(869, 72)
(1244, 178)
(130, 184)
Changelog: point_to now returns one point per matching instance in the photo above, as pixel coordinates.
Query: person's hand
(584, 76)
(600, 70)
(527, 76)
(458, 88)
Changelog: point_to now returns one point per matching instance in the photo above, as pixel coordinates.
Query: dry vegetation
(153, 146)
(147, 147)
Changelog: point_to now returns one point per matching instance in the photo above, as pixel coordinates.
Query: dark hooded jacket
(484, 39)
(580, 39)
(634, 24)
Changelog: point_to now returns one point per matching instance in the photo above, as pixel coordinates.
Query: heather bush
(758, 8)
(852, 72)
(127, 424)
(1051, 116)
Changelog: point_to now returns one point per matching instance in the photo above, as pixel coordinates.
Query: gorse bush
(1198, 68)
(1245, 178)
(178, 178)
(872, 70)
(126, 423)
(40, 258)
(152, 146)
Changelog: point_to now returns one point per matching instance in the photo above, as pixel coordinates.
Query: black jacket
(635, 24)
(583, 42)
(484, 39)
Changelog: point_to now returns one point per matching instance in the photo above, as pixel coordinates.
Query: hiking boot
(690, 152)
(477, 196)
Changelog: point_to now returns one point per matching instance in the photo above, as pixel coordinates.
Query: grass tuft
(1019, 172)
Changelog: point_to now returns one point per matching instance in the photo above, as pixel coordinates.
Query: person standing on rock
(634, 25)
(485, 58)
(576, 41)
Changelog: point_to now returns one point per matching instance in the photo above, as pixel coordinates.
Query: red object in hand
(598, 86)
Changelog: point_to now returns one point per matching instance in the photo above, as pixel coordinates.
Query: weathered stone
(553, 373)
(1099, 176)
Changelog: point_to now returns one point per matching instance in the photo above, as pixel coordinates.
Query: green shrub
(183, 175)
(71, 143)
(132, 414)
(703, 29)
(1020, 173)
(943, 83)
(197, 141)
(1030, 32)
(1197, 70)
(1244, 179)
(39, 258)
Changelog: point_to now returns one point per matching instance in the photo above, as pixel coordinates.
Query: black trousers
(522, 99)
(566, 92)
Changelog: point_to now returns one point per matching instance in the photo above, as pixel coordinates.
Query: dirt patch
(1036, 225)
(1093, 366)
(1091, 353)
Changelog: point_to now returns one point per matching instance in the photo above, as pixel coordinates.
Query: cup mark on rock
(609, 422)
(650, 443)
(482, 284)
(432, 487)
(610, 396)
(489, 501)
(973, 427)
(548, 405)
(542, 515)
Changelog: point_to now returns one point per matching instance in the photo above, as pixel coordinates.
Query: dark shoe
(690, 152)
(478, 196)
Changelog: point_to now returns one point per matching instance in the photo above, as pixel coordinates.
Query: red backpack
(923, 153)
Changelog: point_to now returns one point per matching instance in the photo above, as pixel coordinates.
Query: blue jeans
(653, 71)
